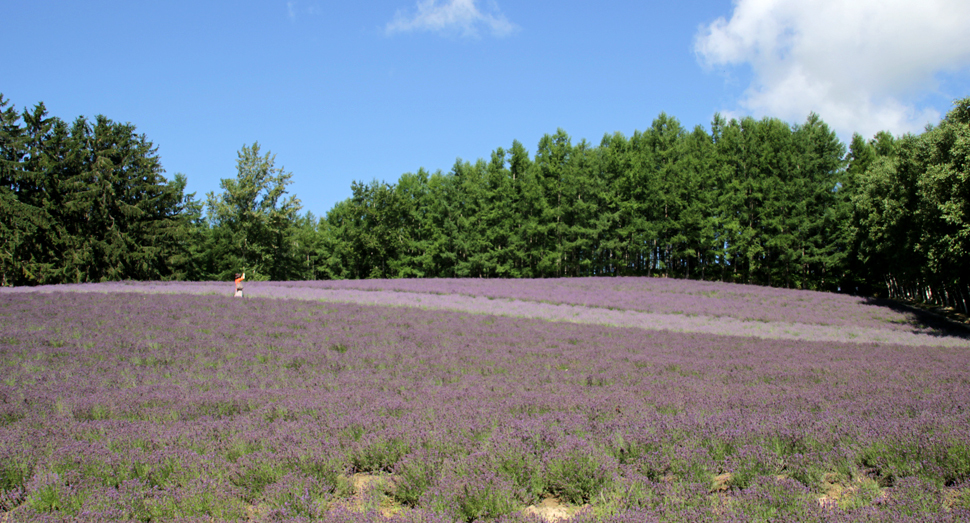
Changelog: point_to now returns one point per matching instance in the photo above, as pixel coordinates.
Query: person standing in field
(239, 280)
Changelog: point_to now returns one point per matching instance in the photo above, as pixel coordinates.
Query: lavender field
(428, 401)
(646, 303)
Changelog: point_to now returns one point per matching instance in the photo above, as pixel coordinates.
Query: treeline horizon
(748, 201)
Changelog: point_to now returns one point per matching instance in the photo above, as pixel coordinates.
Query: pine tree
(85, 203)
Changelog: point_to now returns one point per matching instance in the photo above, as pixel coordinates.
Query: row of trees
(88, 202)
(749, 201)
(752, 201)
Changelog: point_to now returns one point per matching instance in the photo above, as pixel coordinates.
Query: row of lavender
(167, 407)
(660, 295)
(654, 295)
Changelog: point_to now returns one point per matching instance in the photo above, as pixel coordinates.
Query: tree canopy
(84, 202)
(253, 220)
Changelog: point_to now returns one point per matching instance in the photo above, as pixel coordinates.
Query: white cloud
(461, 16)
(858, 64)
(295, 9)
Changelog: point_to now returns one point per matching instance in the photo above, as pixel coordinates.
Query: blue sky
(344, 91)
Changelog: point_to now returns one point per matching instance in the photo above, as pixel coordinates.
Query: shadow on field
(930, 321)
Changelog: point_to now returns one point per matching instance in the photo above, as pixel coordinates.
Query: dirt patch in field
(552, 511)
(722, 482)
(844, 494)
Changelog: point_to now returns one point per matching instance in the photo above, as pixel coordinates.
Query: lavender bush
(147, 407)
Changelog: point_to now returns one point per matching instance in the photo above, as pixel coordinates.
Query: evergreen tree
(19, 220)
(820, 163)
(339, 257)
(29, 255)
(499, 219)
(697, 248)
(411, 195)
(665, 140)
(86, 202)
(527, 208)
(196, 256)
(306, 247)
(580, 205)
(551, 165)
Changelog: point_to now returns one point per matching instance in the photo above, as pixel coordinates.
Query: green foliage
(578, 476)
(481, 501)
(377, 455)
(54, 494)
(254, 475)
(910, 231)
(295, 496)
(339, 348)
(85, 202)
(324, 469)
(524, 470)
(414, 478)
(15, 472)
(469, 495)
(253, 222)
(751, 201)
(790, 501)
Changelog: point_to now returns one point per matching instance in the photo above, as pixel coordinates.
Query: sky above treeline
(344, 91)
